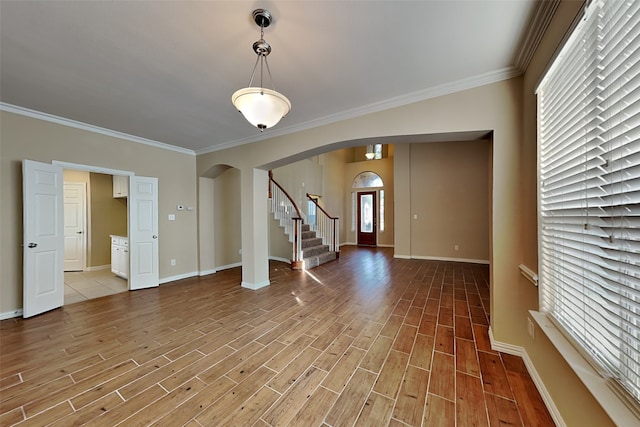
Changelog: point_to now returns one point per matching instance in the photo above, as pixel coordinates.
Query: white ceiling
(165, 70)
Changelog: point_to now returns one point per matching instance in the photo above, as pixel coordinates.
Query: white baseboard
(255, 286)
(207, 272)
(99, 267)
(516, 350)
(178, 277)
(438, 258)
(386, 246)
(228, 266)
(277, 258)
(348, 244)
(11, 314)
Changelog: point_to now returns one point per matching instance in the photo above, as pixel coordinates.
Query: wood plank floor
(368, 340)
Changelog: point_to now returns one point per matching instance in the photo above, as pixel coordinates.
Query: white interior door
(43, 243)
(75, 226)
(143, 232)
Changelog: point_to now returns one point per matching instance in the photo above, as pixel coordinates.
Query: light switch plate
(172, 217)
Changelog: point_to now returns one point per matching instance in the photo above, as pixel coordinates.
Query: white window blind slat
(589, 187)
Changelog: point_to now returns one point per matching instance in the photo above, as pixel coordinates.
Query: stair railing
(327, 226)
(286, 211)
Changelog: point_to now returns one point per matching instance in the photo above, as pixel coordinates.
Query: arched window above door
(367, 180)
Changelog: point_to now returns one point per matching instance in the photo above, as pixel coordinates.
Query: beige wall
(300, 178)
(228, 241)
(333, 194)
(279, 245)
(108, 216)
(28, 138)
(449, 196)
(70, 175)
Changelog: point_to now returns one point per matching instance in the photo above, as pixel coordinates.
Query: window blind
(589, 189)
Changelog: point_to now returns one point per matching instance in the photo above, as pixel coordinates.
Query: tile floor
(86, 285)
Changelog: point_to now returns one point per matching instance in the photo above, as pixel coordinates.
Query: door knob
(32, 245)
(78, 232)
(155, 237)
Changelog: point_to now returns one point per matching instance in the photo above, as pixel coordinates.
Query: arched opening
(220, 237)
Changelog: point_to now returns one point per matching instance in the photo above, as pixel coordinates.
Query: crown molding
(538, 24)
(90, 128)
(399, 101)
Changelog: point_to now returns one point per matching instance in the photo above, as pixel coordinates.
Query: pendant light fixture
(370, 154)
(262, 107)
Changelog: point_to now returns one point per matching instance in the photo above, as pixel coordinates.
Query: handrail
(272, 181)
(281, 205)
(320, 207)
(327, 226)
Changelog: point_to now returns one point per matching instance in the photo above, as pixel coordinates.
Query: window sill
(611, 403)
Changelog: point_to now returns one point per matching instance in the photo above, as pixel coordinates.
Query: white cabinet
(120, 186)
(120, 256)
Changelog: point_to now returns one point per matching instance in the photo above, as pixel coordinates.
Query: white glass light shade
(262, 107)
(370, 153)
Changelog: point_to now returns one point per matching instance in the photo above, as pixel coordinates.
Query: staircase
(308, 250)
(314, 253)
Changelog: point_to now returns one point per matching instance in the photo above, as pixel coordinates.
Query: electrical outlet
(530, 327)
(240, 252)
(173, 263)
(456, 248)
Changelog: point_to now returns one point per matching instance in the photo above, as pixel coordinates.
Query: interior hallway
(367, 340)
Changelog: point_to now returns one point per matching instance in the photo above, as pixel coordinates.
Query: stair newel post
(297, 262)
(336, 238)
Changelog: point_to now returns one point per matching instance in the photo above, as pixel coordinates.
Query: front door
(43, 242)
(367, 218)
(74, 226)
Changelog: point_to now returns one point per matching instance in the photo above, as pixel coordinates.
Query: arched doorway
(367, 207)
